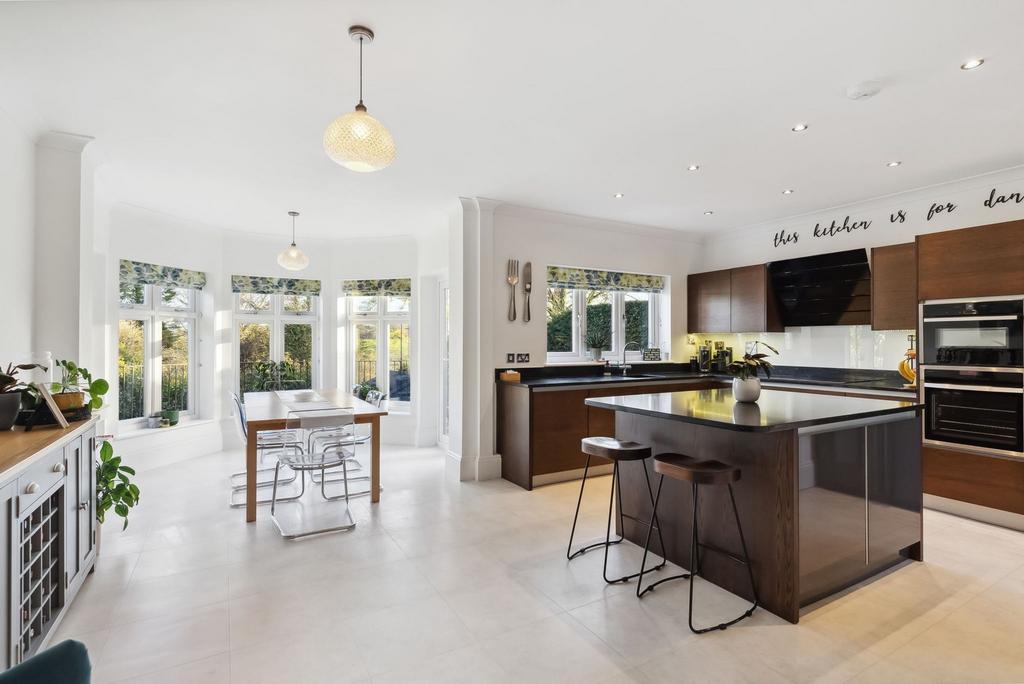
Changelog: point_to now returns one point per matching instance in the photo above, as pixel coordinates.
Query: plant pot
(595, 353)
(69, 401)
(10, 404)
(746, 390)
(172, 416)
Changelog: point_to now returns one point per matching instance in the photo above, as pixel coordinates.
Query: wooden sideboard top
(17, 446)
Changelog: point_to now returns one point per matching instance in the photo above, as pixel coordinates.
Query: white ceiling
(214, 110)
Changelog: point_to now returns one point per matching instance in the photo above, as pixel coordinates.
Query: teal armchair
(67, 663)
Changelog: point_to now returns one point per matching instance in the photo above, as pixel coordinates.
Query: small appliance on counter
(723, 357)
(704, 357)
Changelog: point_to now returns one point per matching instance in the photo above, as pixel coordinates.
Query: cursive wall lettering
(836, 229)
(784, 238)
(937, 209)
(899, 217)
(995, 200)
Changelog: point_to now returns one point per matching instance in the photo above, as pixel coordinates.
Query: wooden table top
(18, 446)
(273, 407)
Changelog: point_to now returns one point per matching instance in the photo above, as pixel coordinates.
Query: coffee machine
(704, 357)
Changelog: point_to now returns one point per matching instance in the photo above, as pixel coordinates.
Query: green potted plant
(75, 382)
(13, 392)
(597, 340)
(114, 487)
(364, 388)
(746, 386)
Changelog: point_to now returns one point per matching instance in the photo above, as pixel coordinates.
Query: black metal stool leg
(745, 561)
(654, 519)
(650, 530)
(569, 552)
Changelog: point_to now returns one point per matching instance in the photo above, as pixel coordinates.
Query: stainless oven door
(961, 411)
(975, 333)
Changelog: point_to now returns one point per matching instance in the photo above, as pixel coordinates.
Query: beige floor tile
(213, 670)
(496, 607)
(466, 665)
(311, 657)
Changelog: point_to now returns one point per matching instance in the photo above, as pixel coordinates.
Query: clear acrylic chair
(324, 455)
(265, 441)
(352, 439)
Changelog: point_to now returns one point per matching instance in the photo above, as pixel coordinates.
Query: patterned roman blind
(388, 287)
(140, 273)
(267, 285)
(568, 278)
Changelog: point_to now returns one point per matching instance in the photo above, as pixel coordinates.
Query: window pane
(398, 304)
(253, 303)
(254, 369)
(638, 315)
(133, 295)
(176, 298)
(174, 353)
(398, 362)
(366, 354)
(599, 320)
(131, 382)
(297, 304)
(297, 365)
(559, 310)
(364, 304)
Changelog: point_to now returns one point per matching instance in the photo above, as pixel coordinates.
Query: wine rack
(40, 585)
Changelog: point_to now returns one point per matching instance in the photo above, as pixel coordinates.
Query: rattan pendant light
(356, 140)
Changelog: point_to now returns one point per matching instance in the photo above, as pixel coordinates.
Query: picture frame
(44, 392)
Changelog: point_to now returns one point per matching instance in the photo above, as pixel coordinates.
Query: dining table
(271, 411)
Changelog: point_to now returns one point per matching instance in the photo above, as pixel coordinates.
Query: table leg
(250, 475)
(375, 460)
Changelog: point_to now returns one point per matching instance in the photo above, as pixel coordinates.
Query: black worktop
(774, 411)
(847, 378)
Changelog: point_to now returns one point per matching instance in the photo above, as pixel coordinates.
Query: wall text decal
(995, 200)
(938, 208)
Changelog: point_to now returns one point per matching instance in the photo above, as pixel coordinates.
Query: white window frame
(152, 312)
(381, 317)
(276, 317)
(581, 353)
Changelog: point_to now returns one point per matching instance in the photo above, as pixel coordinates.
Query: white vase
(746, 390)
(595, 353)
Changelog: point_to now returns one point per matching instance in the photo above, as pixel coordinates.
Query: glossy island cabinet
(47, 508)
(830, 491)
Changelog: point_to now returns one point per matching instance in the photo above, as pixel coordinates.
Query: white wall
(552, 239)
(17, 172)
(858, 346)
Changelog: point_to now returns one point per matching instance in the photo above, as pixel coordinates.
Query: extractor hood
(826, 289)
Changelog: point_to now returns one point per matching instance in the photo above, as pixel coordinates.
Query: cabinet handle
(84, 506)
(31, 488)
(59, 468)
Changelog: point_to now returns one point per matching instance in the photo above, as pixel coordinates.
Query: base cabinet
(49, 542)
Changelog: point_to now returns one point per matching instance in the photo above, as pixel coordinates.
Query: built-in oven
(985, 332)
(977, 409)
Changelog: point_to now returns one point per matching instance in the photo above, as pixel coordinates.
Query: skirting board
(1014, 521)
(460, 469)
(566, 475)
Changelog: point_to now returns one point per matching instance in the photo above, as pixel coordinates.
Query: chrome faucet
(625, 366)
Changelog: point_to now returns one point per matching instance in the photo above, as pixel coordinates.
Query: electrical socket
(522, 358)
(510, 358)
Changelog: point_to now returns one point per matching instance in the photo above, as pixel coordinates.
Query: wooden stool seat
(614, 450)
(682, 467)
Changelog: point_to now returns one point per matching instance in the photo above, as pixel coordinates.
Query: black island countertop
(595, 374)
(774, 411)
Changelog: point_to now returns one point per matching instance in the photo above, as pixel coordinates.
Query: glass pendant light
(356, 140)
(293, 258)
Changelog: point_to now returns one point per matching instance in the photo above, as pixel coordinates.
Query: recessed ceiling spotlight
(893, 164)
(787, 191)
(693, 167)
(799, 127)
(708, 212)
(972, 64)
(619, 195)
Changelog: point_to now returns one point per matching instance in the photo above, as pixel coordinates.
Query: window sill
(137, 431)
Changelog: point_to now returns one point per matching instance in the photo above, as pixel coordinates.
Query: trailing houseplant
(362, 389)
(114, 488)
(13, 392)
(597, 340)
(75, 382)
(746, 386)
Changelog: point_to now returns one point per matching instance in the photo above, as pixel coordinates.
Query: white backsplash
(834, 346)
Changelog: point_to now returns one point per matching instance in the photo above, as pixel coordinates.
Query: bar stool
(615, 451)
(696, 472)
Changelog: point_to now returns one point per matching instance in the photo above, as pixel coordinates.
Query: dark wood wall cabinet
(733, 300)
(894, 287)
(984, 261)
(982, 480)
(539, 430)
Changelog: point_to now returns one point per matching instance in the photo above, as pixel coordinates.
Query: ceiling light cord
(361, 75)
(293, 231)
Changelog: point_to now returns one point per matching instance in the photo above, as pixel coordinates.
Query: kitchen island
(830, 492)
